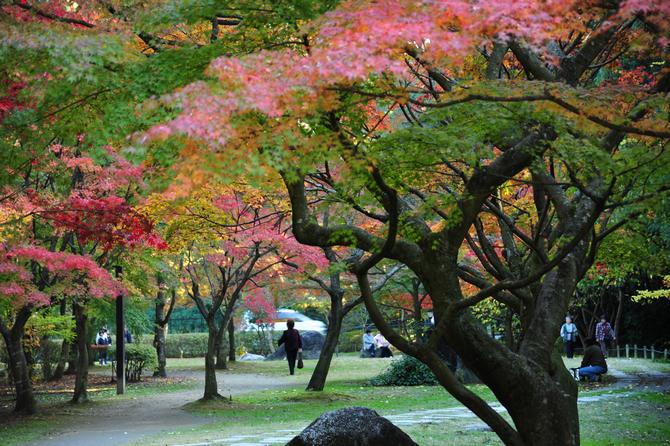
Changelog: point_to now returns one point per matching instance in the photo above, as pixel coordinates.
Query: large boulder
(312, 342)
(352, 426)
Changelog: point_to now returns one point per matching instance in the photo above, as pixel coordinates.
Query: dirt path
(129, 420)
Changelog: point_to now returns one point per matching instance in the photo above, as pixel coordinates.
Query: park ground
(264, 405)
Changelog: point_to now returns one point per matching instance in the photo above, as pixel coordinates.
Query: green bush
(186, 345)
(350, 341)
(139, 357)
(48, 355)
(406, 371)
(182, 345)
(194, 345)
(255, 342)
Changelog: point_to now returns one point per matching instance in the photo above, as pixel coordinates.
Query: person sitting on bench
(593, 363)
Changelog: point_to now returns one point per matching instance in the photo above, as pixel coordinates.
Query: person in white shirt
(369, 344)
(384, 346)
(103, 341)
(569, 335)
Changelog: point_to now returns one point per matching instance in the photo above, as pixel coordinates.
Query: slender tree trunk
(211, 387)
(159, 333)
(619, 314)
(18, 365)
(417, 316)
(318, 380)
(231, 340)
(72, 353)
(159, 343)
(60, 368)
(64, 350)
(222, 349)
(509, 332)
(81, 379)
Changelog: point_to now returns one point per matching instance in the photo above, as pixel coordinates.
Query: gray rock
(352, 426)
(251, 357)
(478, 427)
(312, 342)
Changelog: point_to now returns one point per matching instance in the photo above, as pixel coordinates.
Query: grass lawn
(637, 417)
(603, 422)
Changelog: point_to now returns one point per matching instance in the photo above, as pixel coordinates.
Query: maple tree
(71, 69)
(31, 277)
(508, 121)
(75, 212)
(229, 243)
(490, 147)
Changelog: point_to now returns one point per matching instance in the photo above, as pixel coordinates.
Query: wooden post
(120, 341)
(644, 352)
(635, 350)
(653, 353)
(627, 351)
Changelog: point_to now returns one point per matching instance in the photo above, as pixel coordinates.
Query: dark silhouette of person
(292, 344)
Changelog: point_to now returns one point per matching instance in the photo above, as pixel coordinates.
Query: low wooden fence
(634, 351)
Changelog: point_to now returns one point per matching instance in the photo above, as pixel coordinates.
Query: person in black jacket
(292, 344)
(593, 363)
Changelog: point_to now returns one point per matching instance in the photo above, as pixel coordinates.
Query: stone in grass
(251, 357)
(352, 426)
(312, 342)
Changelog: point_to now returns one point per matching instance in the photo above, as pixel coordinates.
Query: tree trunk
(72, 354)
(231, 340)
(619, 313)
(211, 387)
(533, 385)
(222, 349)
(18, 365)
(509, 332)
(159, 333)
(60, 368)
(159, 344)
(64, 350)
(81, 379)
(318, 380)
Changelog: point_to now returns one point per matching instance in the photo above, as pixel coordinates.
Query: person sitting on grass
(384, 346)
(593, 363)
(369, 348)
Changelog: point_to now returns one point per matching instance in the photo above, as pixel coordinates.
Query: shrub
(48, 354)
(138, 358)
(350, 341)
(406, 371)
(256, 342)
(186, 345)
(182, 345)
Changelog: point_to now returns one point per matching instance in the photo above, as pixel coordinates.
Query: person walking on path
(292, 344)
(369, 349)
(604, 334)
(593, 363)
(569, 335)
(384, 346)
